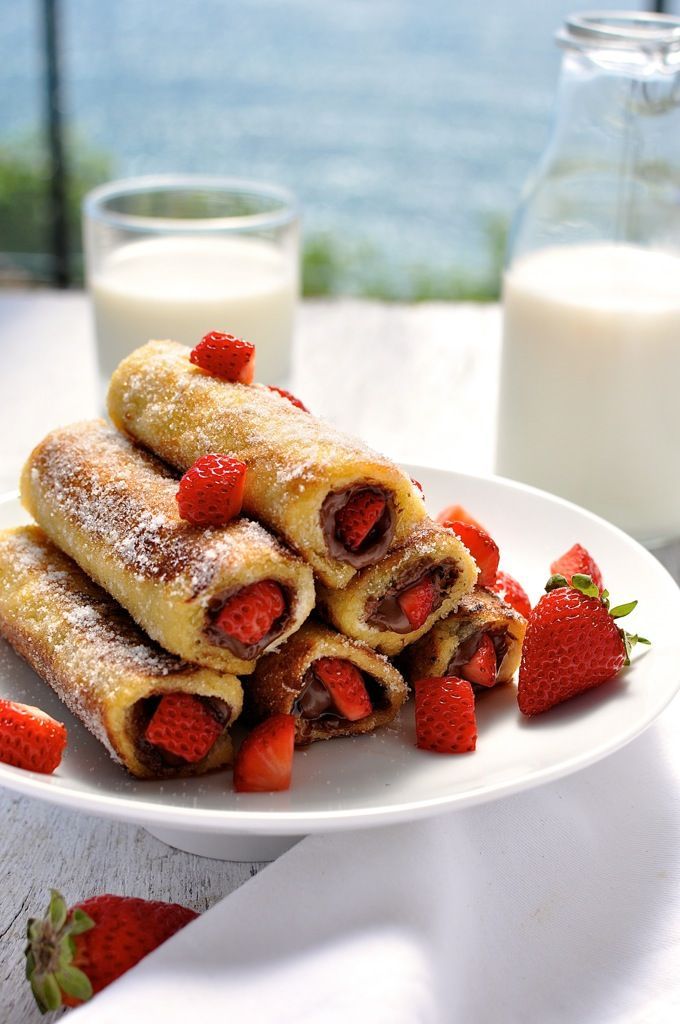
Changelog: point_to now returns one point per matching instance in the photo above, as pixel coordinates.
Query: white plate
(370, 780)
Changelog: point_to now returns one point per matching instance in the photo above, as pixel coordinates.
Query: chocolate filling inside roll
(377, 541)
(315, 704)
(470, 646)
(218, 635)
(156, 758)
(385, 612)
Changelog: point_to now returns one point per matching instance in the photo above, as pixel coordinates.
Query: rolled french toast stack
(154, 630)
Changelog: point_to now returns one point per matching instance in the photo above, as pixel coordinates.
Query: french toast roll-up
(393, 603)
(197, 591)
(452, 647)
(105, 669)
(336, 502)
(333, 686)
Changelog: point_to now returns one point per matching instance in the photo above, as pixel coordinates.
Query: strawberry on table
(577, 560)
(481, 546)
(225, 356)
(211, 491)
(344, 682)
(74, 953)
(182, 725)
(250, 613)
(29, 738)
(289, 395)
(510, 591)
(264, 763)
(482, 668)
(572, 644)
(417, 602)
(356, 519)
(445, 715)
(458, 514)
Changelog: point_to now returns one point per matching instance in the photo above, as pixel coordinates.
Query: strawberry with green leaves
(572, 643)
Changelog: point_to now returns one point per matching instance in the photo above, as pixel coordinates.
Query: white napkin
(561, 904)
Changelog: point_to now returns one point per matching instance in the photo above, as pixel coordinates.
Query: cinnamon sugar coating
(294, 459)
(112, 508)
(93, 655)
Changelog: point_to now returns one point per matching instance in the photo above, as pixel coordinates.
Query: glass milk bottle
(590, 382)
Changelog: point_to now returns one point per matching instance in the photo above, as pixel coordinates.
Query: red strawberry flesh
(481, 546)
(357, 518)
(211, 491)
(445, 715)
(482, 668)
(29, 738)
(252, 612)
(458, 513)
(288, 395)
(183, 726)
(225, 356)
(418, 601)
(264, 762)
(577, 560)
(510, 591)
(345, 684)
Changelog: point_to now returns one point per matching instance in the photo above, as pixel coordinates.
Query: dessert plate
(371, 780)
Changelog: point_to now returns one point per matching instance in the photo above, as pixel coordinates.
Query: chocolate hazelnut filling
(385, 612)
(160, 761)
(469, 647)
(378, 539)
(248, 652)
(314, 703)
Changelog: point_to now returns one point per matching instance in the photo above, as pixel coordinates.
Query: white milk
(183, 287)
(590, 384)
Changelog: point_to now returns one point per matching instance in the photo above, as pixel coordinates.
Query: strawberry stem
(50, 952)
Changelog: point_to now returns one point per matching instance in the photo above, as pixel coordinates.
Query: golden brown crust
(112, 508)
(92, 653)
(481, 610)
(279, 679)
(428, 545)
(294, 459)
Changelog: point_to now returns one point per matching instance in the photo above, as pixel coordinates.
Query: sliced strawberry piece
(183, 726)
(30, 738)
(345, 683)
(445, 715)
(225, 356)
(418, 601)
(510, 591)
(356, 519)
(249, 614)
(211, 491)
(264, 763)
(458, 514)
(290, 396)
(482, 667)
(483, 549)
(577, 560)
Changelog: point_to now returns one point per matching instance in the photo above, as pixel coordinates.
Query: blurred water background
(406, 127)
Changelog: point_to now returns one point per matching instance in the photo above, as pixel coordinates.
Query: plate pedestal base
(226, 847)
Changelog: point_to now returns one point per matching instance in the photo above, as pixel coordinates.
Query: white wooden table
(418, 382)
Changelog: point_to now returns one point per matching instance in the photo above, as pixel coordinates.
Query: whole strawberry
(29, 738)
(572, 644)
(73, 954)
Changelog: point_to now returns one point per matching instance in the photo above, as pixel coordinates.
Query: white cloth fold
(560, 905)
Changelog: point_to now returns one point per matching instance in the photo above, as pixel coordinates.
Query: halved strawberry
(577, 561)
(482, 667)
(510, 591)
(458, 514)
(30, 738)
(356, 519)
(183, 726)
(418, 601)
(211, 491)
(249, 614)
(445, 715)
(264, 763)
(481, 546)
(225, 356)
(290, 396)
(345, 683)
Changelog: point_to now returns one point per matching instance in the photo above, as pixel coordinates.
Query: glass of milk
(590, 381)
(177, 257)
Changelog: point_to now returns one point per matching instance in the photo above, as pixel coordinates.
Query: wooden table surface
(418, 382)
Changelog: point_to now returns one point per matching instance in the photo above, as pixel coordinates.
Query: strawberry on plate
(250, 613)
(445, 715)
(345, 683)
(29, 738)
(481, 546)
(510, 591)
(182, 725)
(417, 601)
(225, 356)
(572, 644)
(211, 491)
(264, 763)
(356, 519)
(458, 514)
(577, 560)
(74, 953)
